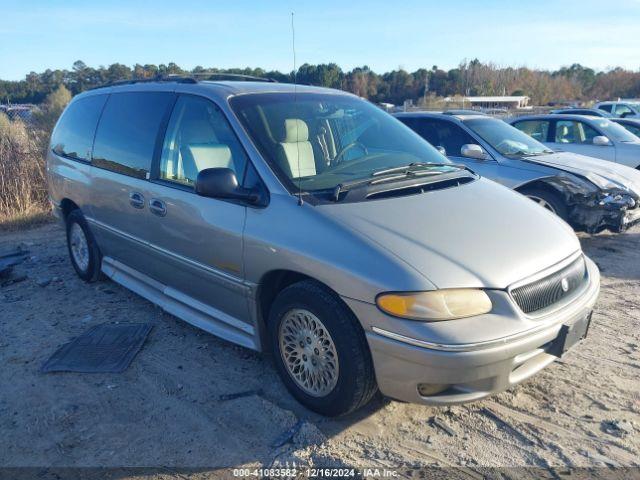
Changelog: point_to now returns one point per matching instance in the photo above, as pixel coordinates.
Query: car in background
(620, 109)
(595, 112)
(462, 111)
(588, 194)
(592, 136)
(631, 124)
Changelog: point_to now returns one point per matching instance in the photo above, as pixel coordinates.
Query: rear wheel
(320, 350)
(83, 250)
(548, 200)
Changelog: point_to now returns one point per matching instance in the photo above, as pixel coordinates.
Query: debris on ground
(601, 459)
(10, 259)
(501, 422)
(232, 396)
(443, 426)
(12, 280)
(105, 348)
(287, 436)
(617, 428)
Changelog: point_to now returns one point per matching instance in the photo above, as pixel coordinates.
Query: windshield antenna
(295, 106)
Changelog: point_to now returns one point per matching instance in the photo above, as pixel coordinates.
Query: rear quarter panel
(68, 179)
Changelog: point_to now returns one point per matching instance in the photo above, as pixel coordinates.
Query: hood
(583, 165)
(480, 234)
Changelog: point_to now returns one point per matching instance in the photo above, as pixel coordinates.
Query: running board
(182, 306)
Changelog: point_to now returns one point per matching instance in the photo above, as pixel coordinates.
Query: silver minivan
(308, 223)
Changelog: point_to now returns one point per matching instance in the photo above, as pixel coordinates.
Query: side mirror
(222, 183)
(471, 150)
(442, 150)
(601, 141)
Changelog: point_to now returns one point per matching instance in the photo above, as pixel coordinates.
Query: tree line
(573, 83)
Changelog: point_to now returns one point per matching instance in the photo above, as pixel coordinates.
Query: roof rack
(189, 78)
(210, 75)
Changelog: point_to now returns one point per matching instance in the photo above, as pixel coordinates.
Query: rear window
(73, 135)
(128, 131)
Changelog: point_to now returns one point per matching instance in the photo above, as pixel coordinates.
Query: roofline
(556, 116)
(190, 78)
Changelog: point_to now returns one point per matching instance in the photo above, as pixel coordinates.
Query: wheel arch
(269, 286)
(545, 183)
(67, 206)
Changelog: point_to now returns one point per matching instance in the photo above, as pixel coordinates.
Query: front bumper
(470, 370)
(612, 216)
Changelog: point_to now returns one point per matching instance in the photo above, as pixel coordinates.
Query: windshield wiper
(415, 169)
(412, 167)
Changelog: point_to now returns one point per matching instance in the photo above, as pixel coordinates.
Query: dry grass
(23, 191)
(25, 220)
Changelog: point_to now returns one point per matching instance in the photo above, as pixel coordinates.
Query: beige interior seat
(563, 134)
(295, 153)
(210, 156)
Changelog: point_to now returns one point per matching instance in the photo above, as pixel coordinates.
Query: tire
(345, 351)
(85, 260)
(549, 200)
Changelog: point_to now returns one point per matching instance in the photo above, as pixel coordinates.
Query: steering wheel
(338, 158)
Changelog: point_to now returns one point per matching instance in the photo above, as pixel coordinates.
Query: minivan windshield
(316, 141)
(506, 139)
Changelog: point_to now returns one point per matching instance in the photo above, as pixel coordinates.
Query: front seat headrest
(295, 130)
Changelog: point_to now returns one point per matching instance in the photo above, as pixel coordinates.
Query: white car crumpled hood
(480, 234)
(583, 165)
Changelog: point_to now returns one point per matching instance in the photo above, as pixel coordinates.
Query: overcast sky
(385, 35)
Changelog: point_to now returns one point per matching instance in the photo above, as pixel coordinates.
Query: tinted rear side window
(440, 134)
(73, 136)
(128, 130)
(606, 108)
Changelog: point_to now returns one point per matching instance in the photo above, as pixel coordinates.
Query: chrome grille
(549, 290)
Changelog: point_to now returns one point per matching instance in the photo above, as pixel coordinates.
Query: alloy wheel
(308, 352)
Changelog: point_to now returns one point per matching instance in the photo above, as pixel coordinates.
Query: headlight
(617, 199)
(435, 305)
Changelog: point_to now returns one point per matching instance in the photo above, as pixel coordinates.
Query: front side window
(571, 131)
(198, 137)
(440, 133)
(635, 129)
(536, 129)
(73, 135)
(127, 133)
(504, 138)
(622, 110)
(314, 142)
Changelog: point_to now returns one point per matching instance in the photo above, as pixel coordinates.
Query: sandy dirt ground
(168, 411)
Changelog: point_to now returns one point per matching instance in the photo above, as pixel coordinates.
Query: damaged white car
(589, 194)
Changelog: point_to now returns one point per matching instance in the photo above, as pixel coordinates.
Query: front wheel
(548, 200)
(320, 350)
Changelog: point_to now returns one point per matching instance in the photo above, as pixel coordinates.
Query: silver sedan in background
(592, 136)
(588, 194)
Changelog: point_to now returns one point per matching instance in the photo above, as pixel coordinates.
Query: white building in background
(508, 102)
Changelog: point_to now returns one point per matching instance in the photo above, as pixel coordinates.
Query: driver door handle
(158, 207)
(136, 200)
